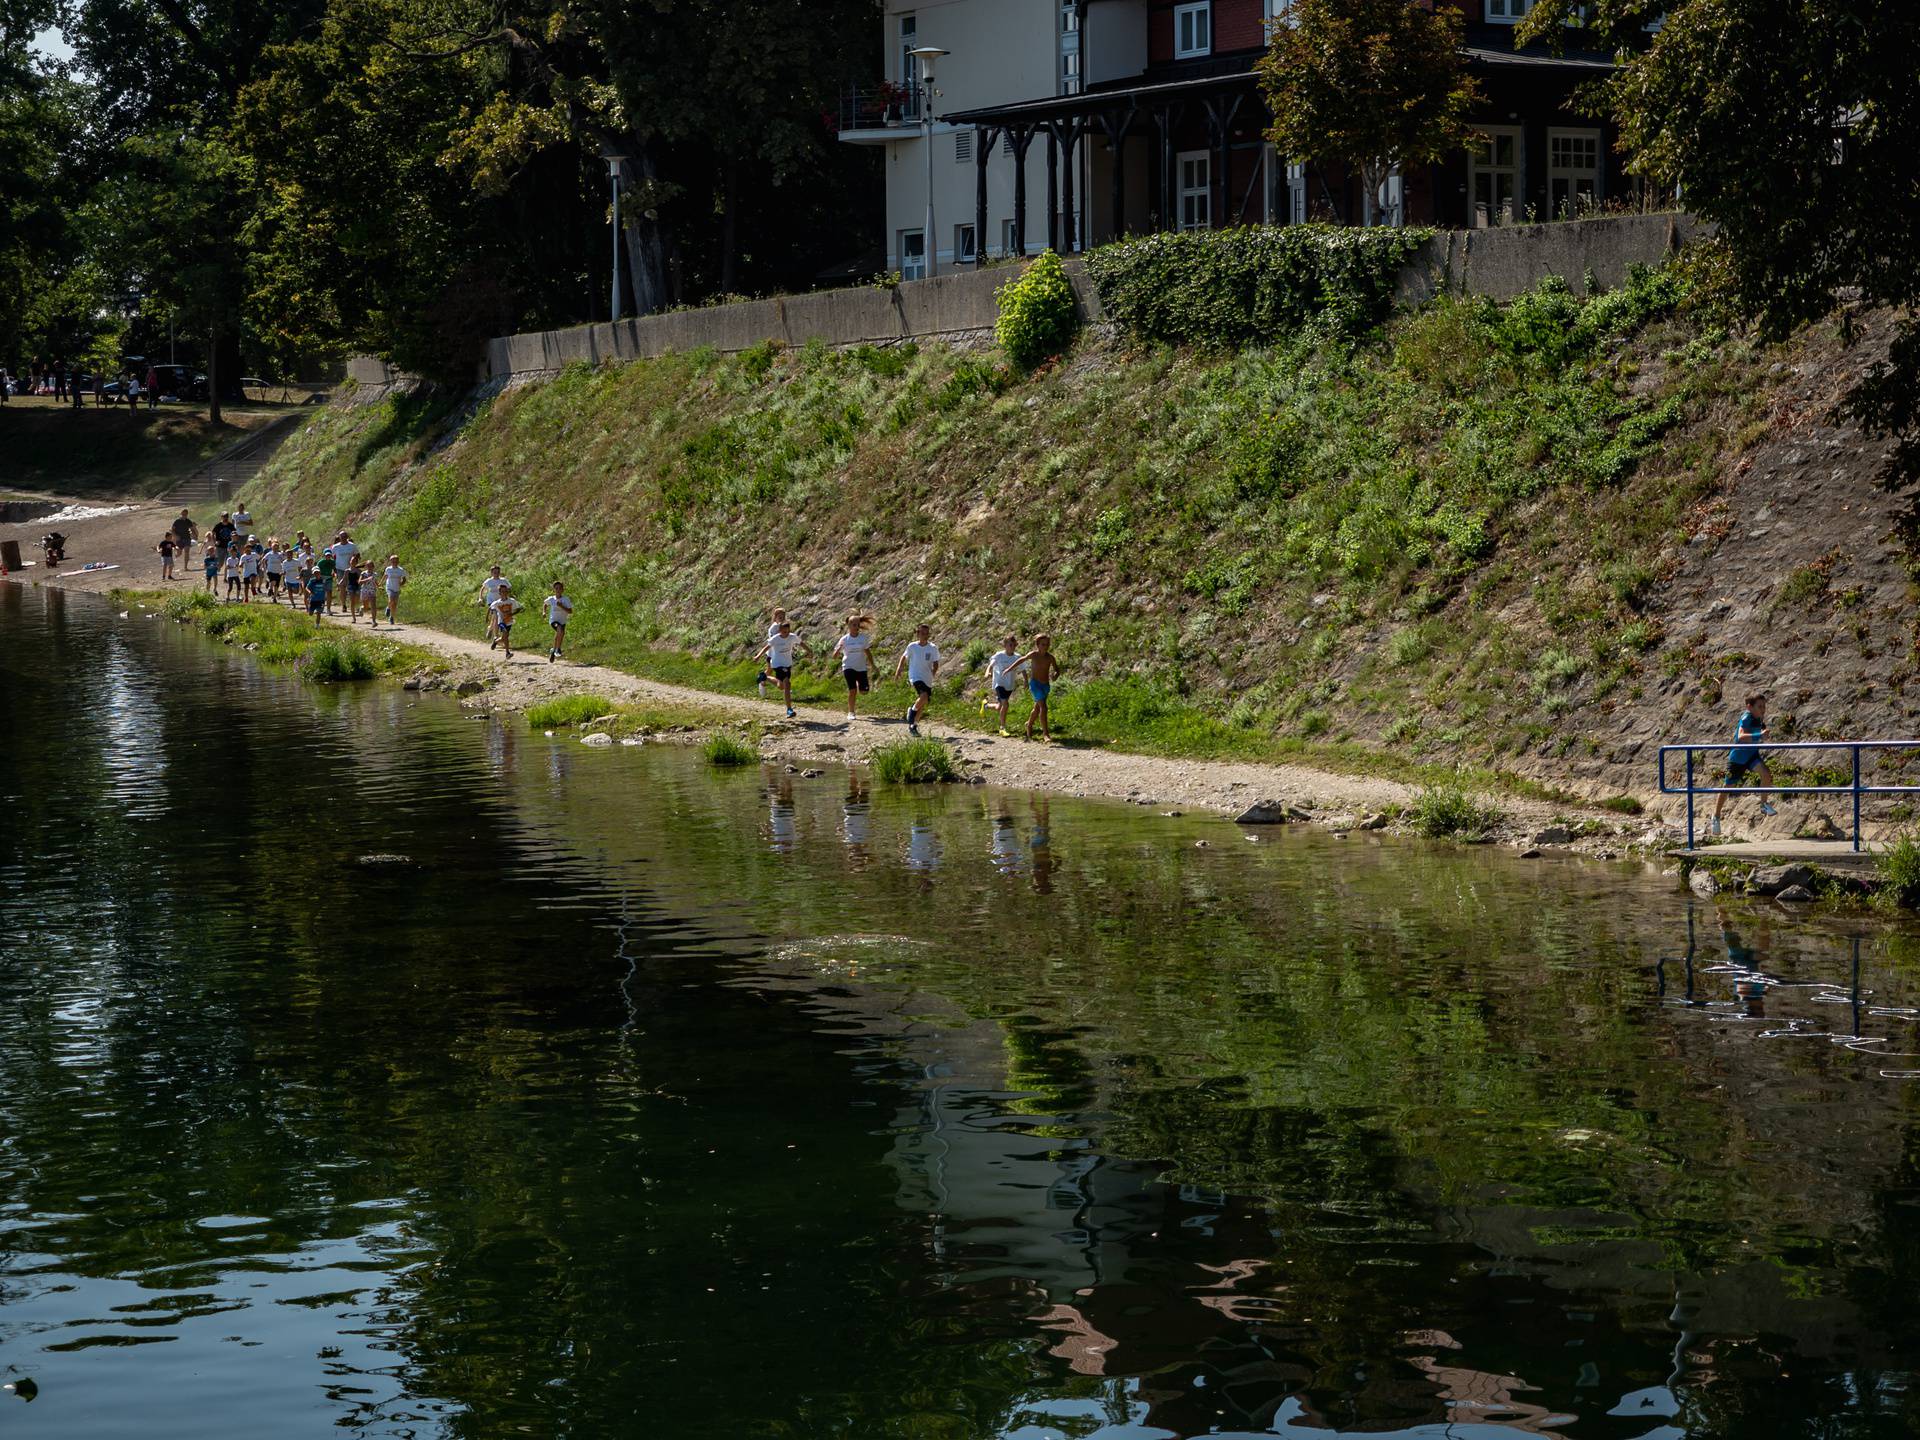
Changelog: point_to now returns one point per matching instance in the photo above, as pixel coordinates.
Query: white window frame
(1202, 219)
(1275, 12)
(1598, 172)
(1006, 236)
(965, 251)
(1477, 166)
(1197, 17)
(1507, 12)
(912, 268)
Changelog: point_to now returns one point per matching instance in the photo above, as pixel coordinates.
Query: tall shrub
(1037, 313)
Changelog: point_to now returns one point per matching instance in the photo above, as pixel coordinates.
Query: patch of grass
(281, 636)
(335, 658)
(723, 748)
(914, 762)
(1899, 869)
(567, 710)
(1449, 809)
(1623, 805)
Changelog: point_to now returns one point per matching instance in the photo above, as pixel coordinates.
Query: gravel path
(817, 735)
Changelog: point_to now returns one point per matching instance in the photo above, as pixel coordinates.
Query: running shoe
(1766, 809)
(789, 712)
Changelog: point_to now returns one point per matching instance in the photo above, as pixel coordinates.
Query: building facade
(1063, 123)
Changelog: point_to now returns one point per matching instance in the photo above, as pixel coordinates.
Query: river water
(649, 1101)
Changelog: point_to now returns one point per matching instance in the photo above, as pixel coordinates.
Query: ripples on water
(650, 1101)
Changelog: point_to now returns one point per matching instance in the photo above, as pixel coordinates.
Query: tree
(1793, 128)
(1369, 83)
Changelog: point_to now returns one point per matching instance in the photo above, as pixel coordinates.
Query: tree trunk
(213, 374)
(729, 227)
(645, 242)
(1369, 193)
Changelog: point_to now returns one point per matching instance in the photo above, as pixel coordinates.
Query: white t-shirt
(505, 608)
(774, 628)
(241, 519)
(276, 563)
(233, 564)
(559, 609)
(780, 650)
(249, 564)
(395, 578)
(343, 552)
(855, 651)
(490, 588)
(920, 662)
(1002, 665)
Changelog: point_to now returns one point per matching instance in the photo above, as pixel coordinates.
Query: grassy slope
(1437, 545)
(96, 453)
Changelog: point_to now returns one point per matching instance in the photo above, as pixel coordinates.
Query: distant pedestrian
(185, 532)
(210, 563)
(1745, 759)
(559, 616)
(165, 547)
(396, 579)
(920, 663)
(855, 649)
(505, 607)
(153, 388)
(242, 521)
(779, 652)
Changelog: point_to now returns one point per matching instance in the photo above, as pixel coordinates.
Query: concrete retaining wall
(1498, 263)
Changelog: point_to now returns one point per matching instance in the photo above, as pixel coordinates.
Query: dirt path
(818, 735)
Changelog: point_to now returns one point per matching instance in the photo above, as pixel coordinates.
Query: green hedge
(1251, 286)
(1037, 313)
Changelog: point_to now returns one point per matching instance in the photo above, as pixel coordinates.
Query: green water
(648, 1101)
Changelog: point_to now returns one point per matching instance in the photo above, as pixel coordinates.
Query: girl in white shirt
(855, 649)
(559, 612)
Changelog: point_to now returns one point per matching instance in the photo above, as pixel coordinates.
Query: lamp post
(926, 55)
(613, 174)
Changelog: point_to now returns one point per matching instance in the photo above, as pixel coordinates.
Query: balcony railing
(879, 107)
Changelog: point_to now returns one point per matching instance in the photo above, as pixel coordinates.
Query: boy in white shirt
(920, 663)
(559, 612)
(779, 618)
(395, 578)
(778, 653)
(276, 567)
(249, 573)
(1002, 666)
(855, 650)
(490, 592)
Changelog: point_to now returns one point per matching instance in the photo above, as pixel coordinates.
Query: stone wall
(1498, 263)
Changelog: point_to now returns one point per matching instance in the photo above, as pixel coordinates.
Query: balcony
(874, 114)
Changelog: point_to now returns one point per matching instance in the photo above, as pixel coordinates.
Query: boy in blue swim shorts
(1041, 668)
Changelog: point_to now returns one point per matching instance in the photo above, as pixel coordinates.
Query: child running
(249, 574)
(233, 574)
(1002, 666)
(165, 549)
(1042, 667)
(318, 589)
(855, 650)
(559, 612)
(275, 565)
(505, 607)
(395, 577)
(1745, 759)
(779, 652)
(920, 662)
(210, 562)
(490, 592)
(763, 679)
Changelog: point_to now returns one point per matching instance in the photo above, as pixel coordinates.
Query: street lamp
(926, 55)
(613, 173)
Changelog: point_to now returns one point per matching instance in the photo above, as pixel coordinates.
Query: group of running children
(920, 663)
(256, 570)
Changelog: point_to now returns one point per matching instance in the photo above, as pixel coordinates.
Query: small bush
(568, 710)
(1448, 809)
(969, 378)
(1038, 313)
(1408, 647)
(1899, 869)
(1623, 805)
(331, 660)
(189, 605)
(723, 748)
(914, 762)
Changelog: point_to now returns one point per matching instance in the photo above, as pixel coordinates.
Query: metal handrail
(1855, 789)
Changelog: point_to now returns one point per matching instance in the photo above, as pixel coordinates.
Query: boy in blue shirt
(317, 588)
(1744, 758)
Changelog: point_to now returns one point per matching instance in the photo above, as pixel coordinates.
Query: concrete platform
(1828, 854)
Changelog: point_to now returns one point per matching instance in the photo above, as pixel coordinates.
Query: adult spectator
(59, 379)
(223, 533)
(242, 521)
(153, 388)
(185, 532)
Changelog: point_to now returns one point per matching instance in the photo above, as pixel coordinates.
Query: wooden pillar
(1221, 113)
(983, 138)
(1021, 138)
(1053, 191)
(1169, 206)
(1115, 124)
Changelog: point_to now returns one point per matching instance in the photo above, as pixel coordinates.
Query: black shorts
(923, 690)
(1738, 770)
(1002, 694)
(856, 680)
(782, 673)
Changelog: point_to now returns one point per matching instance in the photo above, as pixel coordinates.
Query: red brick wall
(1237, 25)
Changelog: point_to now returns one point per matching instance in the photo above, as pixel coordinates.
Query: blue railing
(1720, 747)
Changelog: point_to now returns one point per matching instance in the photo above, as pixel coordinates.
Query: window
(1286, 190)
(910, 65)
(1193, 29)
(1508, 12)
(1069, 17)
(1274, 11)
(1070, 73)
(1007, 238)
(1573, 172)
(963, 147)
(1493, 169)
(1196, 190)
(913, 254)
(965, 251)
